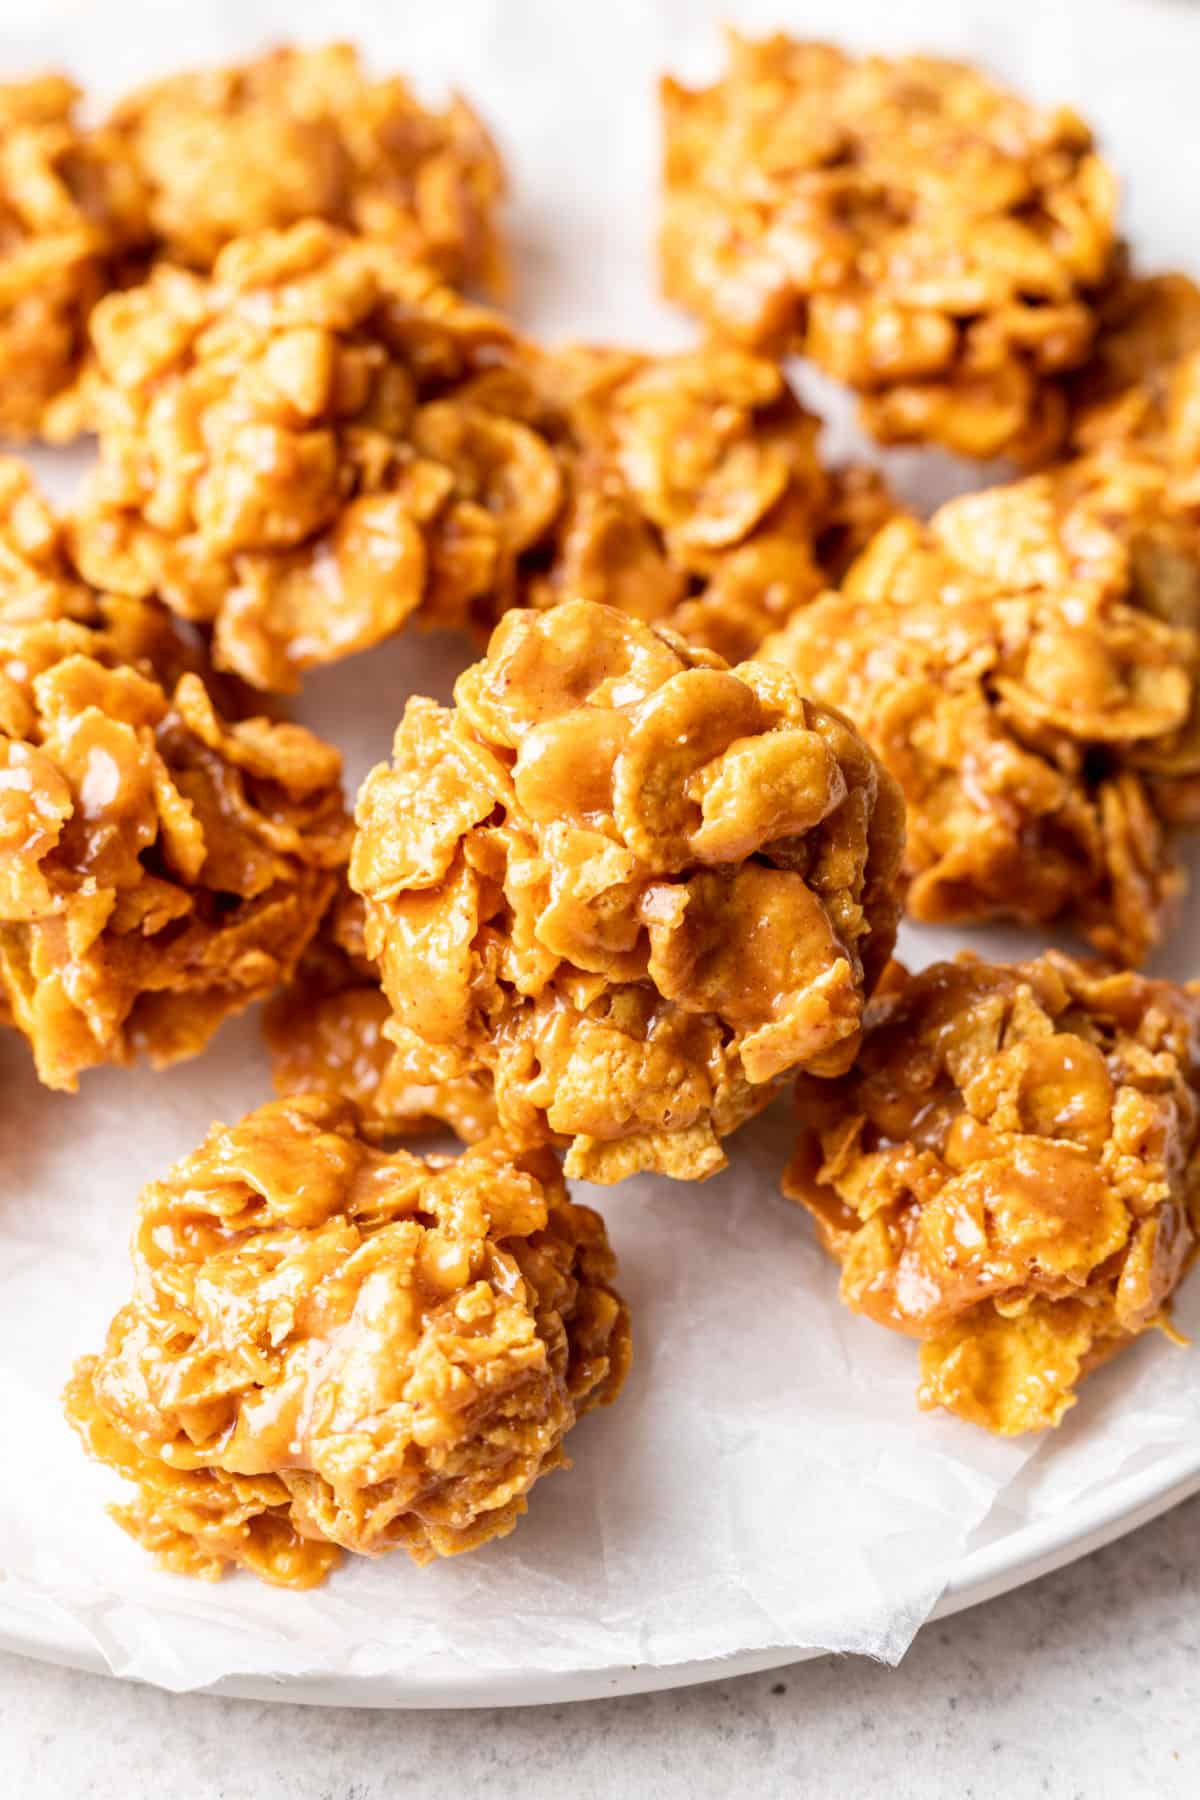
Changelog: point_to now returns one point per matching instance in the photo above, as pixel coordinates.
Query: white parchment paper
(766, 1479)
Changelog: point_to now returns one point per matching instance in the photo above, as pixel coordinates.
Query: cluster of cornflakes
(388, 1353)
(181, 168)
(650, 863)
(633, 885)
(935, 242)
(1027, 666)
(1009, 1173)
(305, 133)
(160, 867)
(693, 494)
(277, 462)
(319, 441)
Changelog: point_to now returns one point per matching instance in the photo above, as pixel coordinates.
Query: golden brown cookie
(160, 866)
(331, 1348)
(1010, 1174)
(935, 242)
(1025, 665)
(632, 885)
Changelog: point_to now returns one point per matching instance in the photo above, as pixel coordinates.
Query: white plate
(996, 1568)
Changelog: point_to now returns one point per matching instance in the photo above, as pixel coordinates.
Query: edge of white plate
(1013, 1560)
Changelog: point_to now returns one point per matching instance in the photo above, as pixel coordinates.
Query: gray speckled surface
(1084, 1685)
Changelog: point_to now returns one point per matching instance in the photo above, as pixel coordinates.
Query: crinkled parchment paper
(766, 1478)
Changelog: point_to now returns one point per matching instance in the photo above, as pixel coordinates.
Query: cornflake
(631, 885)
(933, 241)
(160, 868)
(1025, 665)
(331, 1348)
(1010, 1174)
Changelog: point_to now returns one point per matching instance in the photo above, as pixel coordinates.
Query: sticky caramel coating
(326, 1035)
(1026, 667)
(331, 1348)
(630, 884)
(39, 584)
(933, 241)
(1010, 1173)
(306, 133)
(72, 210)
(160, 868)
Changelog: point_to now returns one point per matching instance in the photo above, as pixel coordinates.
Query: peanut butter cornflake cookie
(318, 444)
(160, 866)
(1026, 666)
(631, 885)
(331, 1348)
(183, 166)
(271, 463)
(1010, 1174)
(933, 241)
(306, 133)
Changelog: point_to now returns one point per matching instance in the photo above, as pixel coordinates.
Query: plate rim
(1012, 1561)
